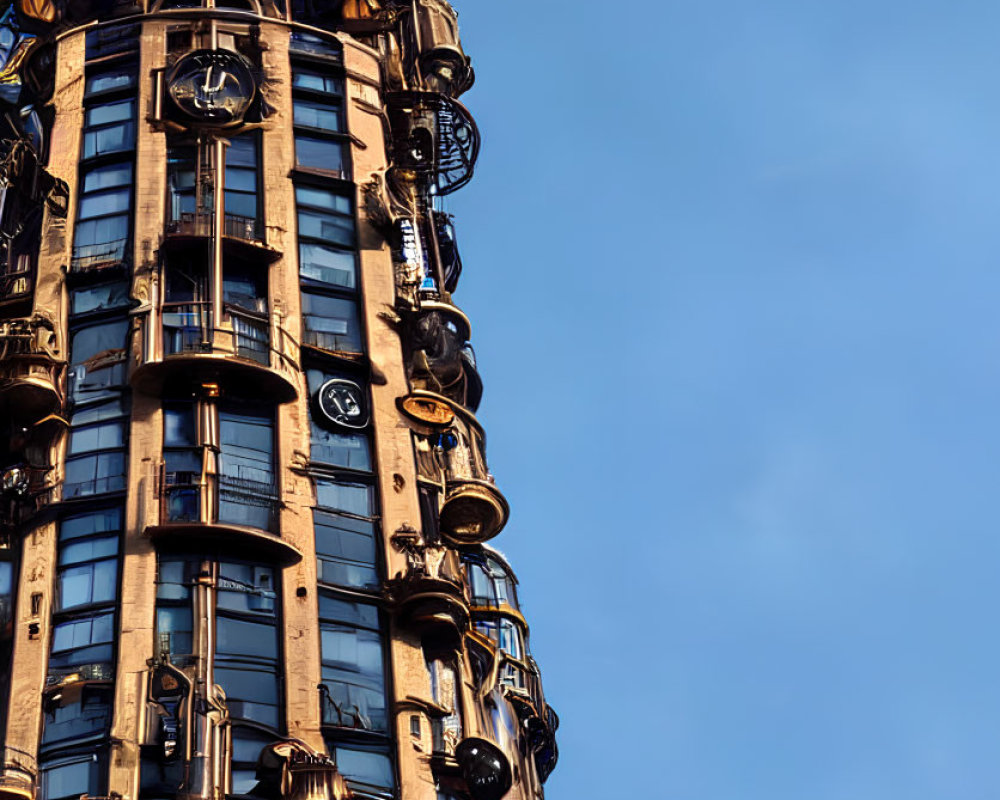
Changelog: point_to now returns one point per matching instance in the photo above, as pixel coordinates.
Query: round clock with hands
(343, 403)
(214, 87)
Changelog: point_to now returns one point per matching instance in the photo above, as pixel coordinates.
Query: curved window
(490, 583)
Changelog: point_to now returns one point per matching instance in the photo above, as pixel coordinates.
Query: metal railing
(192, 498)
(89, 257)
(187, 328)
(193, 223)
(27, 337)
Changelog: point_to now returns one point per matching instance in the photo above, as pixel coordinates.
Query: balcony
(435, 141)
(179, 343)
(430, 595)
(441, 359)
(30, 370)
(24, 491)
(451, 453)
(17, 780)
(90, 259)
(238, 515)
(240, 235)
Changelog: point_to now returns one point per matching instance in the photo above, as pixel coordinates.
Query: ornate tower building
(245, 505)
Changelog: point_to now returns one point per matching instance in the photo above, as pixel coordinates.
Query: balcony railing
(186, 329)
(103, 255)
(27, 337)
(203, 224)
(191, 498)
(18, 775)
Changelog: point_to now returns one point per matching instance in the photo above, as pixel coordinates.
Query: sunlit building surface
(245, 499)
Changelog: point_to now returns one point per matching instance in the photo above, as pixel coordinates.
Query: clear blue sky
(733, 269)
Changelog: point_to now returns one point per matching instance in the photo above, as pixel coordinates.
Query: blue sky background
(733, 270)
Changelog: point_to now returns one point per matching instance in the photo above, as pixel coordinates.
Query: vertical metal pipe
(217, 230)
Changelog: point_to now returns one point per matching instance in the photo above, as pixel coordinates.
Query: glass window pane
(246, 588)
(323, 199)
(302, 42)
(241, 204)
(174, 629)
(104, 436)
(333, 609)
(316, 115)
(331, 323)
(250, 694)
(94, 474)
(81, 633)
(103, 231)
(110, 81)
(87, 716)
(327, 265)
(348, 450)
(179, 426)
(99, 298)
(113, 139)
(347, 551)
(240, 637)
(108, 409)
(109, 519)
(354, 498)
(242, 152)
(315, 81)
(103, 203)
(69, 779)
(107, 177)
(87, 584)
(364, 766)
(110, 112)
(76, 552)
(88, 342)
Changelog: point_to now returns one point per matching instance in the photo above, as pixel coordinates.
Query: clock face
(214, 87)
(343, 403)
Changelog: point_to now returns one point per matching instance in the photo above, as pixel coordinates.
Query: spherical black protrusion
(485, 768)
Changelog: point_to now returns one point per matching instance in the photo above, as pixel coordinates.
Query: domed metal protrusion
(473, 512)
(485, 769)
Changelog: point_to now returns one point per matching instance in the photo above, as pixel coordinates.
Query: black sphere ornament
(485, 769)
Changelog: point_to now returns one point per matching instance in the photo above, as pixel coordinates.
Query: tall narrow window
(247, 490)
(241, 189)
(87, 591)
(328, 269)
(109, 128)
(182, 463)
(103, 223)
(353, 670)
(317, 109)
(103, 217)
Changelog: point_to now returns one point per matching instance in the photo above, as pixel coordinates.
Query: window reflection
(353, 672)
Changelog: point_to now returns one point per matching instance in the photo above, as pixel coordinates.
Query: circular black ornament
(343, 403)
(214, 87)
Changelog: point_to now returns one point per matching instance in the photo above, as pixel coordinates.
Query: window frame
(334, 101)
